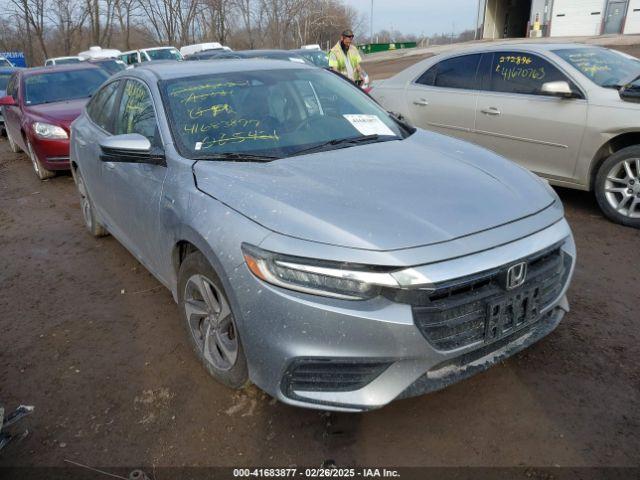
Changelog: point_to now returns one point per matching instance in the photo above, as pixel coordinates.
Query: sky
(418, 16)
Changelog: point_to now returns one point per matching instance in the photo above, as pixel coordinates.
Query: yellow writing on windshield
(238, 137)
(209, 86)
(236, 122)
(196, 97)
(214, 110)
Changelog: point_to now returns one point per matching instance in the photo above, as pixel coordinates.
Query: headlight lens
(329, 279)
(46, 130)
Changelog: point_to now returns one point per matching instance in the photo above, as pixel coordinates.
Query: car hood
(425, 189)
(59, 113)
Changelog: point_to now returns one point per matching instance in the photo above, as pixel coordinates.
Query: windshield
(317, 57)
(270, 113)
(4, 79)
(602, 66)
(111, 66)
(67, 61)
(164, 54)
(62, 86)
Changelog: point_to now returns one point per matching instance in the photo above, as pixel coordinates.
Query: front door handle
(81, 142)
(421, 102)
(491, 111)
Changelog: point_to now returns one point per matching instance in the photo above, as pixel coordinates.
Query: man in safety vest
(345, 59)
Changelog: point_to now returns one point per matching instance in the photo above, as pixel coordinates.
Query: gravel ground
(93, 341)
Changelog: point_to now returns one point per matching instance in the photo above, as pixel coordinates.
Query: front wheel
(209, 321)
(12, 145)
(88, 212)
(617, 187)
(41, 172)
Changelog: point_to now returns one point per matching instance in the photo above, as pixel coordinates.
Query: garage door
(633, 18)
(577, 17)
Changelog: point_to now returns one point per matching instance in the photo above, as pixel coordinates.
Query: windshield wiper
(237, 157)
(345, 142)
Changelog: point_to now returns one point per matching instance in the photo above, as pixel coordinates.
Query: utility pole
(371, 23)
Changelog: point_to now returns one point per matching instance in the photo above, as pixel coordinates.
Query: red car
(39, 107)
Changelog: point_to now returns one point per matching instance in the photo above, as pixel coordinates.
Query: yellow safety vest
(338, 60)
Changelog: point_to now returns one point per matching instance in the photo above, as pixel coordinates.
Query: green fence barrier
(384, 47)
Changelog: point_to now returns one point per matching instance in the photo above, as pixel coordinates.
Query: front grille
(479, 309)
(332, 375)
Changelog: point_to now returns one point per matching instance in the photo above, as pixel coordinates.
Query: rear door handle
(110, 165)
(81, 142)
(491, 111)
(421, 102)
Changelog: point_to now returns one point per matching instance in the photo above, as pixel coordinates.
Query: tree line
(49, 28)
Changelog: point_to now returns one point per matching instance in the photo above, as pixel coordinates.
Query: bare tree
(125, 12)
(171, 19)
(33, 12)
(67, 19)
(100, 14)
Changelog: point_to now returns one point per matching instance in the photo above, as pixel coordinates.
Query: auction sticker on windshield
(369, 124)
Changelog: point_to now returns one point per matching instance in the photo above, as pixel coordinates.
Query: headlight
(46, 130)
(329, 279)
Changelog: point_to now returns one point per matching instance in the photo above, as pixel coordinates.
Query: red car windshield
(62, 86)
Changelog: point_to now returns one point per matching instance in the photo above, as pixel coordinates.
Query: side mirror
(557, 89)
(7, 101)
(629, 93)
(130, 148)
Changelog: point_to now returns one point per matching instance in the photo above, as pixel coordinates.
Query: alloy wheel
(622, 187)
(210, 322)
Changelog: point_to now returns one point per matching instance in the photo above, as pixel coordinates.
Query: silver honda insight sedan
(317, 246)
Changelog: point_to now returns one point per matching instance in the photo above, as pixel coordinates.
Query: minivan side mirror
(557, 89)
(7, 101)
(130, 148)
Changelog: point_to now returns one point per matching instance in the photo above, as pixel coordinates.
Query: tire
(12, 145)
(209, 322)
(88, 211)
(617, 187)
(41, 172)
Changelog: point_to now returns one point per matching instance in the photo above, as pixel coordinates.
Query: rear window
(61, 86)
(458, 72)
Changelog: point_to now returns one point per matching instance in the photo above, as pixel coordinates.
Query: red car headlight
(48, 131)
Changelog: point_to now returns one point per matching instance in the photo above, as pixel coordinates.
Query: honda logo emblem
(516, 275)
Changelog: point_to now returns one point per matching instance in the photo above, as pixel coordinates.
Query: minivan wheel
(12, 145)
(209, 321)
(41, 172)
(617, 187)
(88, 212)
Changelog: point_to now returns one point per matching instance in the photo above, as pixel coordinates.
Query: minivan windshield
(62, 86)
(274, 113)
(602, 66)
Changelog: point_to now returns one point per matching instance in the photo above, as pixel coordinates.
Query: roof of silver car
(169, 70)
(532, 46)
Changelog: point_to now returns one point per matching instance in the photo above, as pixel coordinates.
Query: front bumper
(368, 353)
(53, 154)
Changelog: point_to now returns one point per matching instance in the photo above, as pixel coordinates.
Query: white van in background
(98, 52)
(201, 47)
(49, 62)
(133, 57)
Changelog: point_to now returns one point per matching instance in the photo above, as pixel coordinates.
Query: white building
(558, 18)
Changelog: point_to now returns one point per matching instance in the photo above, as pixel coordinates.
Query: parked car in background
(134, 57)
(4, 62)
(274, 55)
(317, 246)
(39, 106)
(315, 56)
(561, 110)
(110, 65)
(95, 53)
(214, 55)
(201, 47)
(5, 74)
(49, 62)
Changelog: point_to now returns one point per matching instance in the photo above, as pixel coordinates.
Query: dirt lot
(93, 341)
